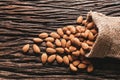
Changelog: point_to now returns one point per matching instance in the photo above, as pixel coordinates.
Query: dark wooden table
(22, 20)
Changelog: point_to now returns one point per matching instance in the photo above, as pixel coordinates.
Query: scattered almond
(76, 62)
(57, 42)
(73, 68)
(50, 39)
(63, 43)
(44, 57)
(49, 44)
(79, 19)
(43, 35)
(60, 50)
(59, 59)
(51, 58)
(66, 60)
(54, 35)
(26, 48)
(37, 40)
(50, 50)
(36, 49)
(82, 66)
(60, 31)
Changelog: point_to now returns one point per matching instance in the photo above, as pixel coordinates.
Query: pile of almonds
(68, 45)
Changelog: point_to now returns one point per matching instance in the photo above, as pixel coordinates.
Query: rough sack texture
(107, 43)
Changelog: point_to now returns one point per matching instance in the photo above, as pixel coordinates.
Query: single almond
(26, 48)
(84, 22)
(67, 50)
(49, 44)
(68, 32)
(82, 52)
(70, 58)
(50, 39)
(59, 59)
(90, 25)
(57, 42)
(66, 60)
(37, 40)
(76, 41)
(71, 36)
(54, 35)
(90, 43)
(73, 68)
(86, 33)
(94, 31)
(63, 43)
(84, 46)
(77, 34)
(82, 66)
(43, 35)
(76, 53)
(50, 50)
(68, 44)
(72, 48)
(60, 50)
(90, 68)
(51, 58)
(60, 31)
(65, 37)
(73, 30)
(79, 19)
(91, 36)
(44, 58)
(76, 62)
(36, 49)
(65, 29)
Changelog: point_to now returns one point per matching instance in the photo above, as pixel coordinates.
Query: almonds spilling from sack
(68, 45)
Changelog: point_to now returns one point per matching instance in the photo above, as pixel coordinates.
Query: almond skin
(36, 49)
(73, 30)
(76, 41)
(63, 43)
(76, 62)
(82, 52)
(71, 36)
(90, 43)
(70, 58)
(67, 50)
(51, 58)
(90, 25)
(54, 35)
(66, 60)
(60, 31)
(44, 58)
(49, 44)
(60, 50)
(93, 31)
(50, 39)
(66, 37)
(91, 36)
(86, 33)
(73, 68)
(43, 35)
(84, 22)
(82, 66)
(50, 50)
(79, 19)
(26, 48)
(68, 44)
(59, 59)
(76, 53)
(37, 40)
(72, 48)
(90, 68)
(57, 42)
(85, 46)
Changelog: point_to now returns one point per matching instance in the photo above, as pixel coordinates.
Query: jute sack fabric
(107, 43)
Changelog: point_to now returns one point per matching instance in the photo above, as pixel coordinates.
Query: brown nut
(60, 50)
(66, 60)
(50, 39)
(51, 58)
(86, 33)
(94, 31)
(68, 44)
(44, 58)
(71, 36)
(54, 35)
(79, 19)
(59, 59)
(66, 37)
(90, 25)
(85, 46)
(90, 43)
(84, 22)
(90, 68)
(68, 32)
(49, 44)
(76, 41)
(43, 35)
(91, 36)
(36, 49)
(67, 50)
(76, 53)
(63, 43)
(72, 48)
(57, 42)
(73, 68)
(50, 50)
(60, 31)
(73, 29)
(76, 62)
(26, 48)
(82, 52)
(82, 66)
(70, 58)
(37, 40)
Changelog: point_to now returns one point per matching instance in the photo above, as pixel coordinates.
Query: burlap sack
(107, 43)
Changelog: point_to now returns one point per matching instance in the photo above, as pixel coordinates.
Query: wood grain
(22, 20)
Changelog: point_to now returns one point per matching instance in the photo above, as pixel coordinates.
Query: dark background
(22, 20)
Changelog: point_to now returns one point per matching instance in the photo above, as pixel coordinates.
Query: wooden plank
(22, 20)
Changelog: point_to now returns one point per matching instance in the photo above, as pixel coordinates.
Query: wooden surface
(22, 20)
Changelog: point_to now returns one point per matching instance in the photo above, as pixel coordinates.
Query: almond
(76, 62)
(90, 68)
(49, 44)
(37, 40)
(63, 43)
(73, 30)
(90, 43)
(82, 66)
(70, 58)
(67, 50)
(44, 57)
(51, 58)
(66, 60)
(57, 42)
(72, 48)
(50, 50)
(73, 68)
(68, 44)
(86, 33)
(76, 53)
(84, 22)
(85, 46)
(76, 41)
(50, 39)
(36, 49)
(71, 36)
(59, 59)
(26, 48)
(90, 25)
(68, 32)
(78, 29)
(94, 31)
(65, 29)
(65, 37)
(79, 19)
(77, 34)
(43, 35)
(82, 52)
(54, 35)
(60, 50)
(60, 31)
(91, 36)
